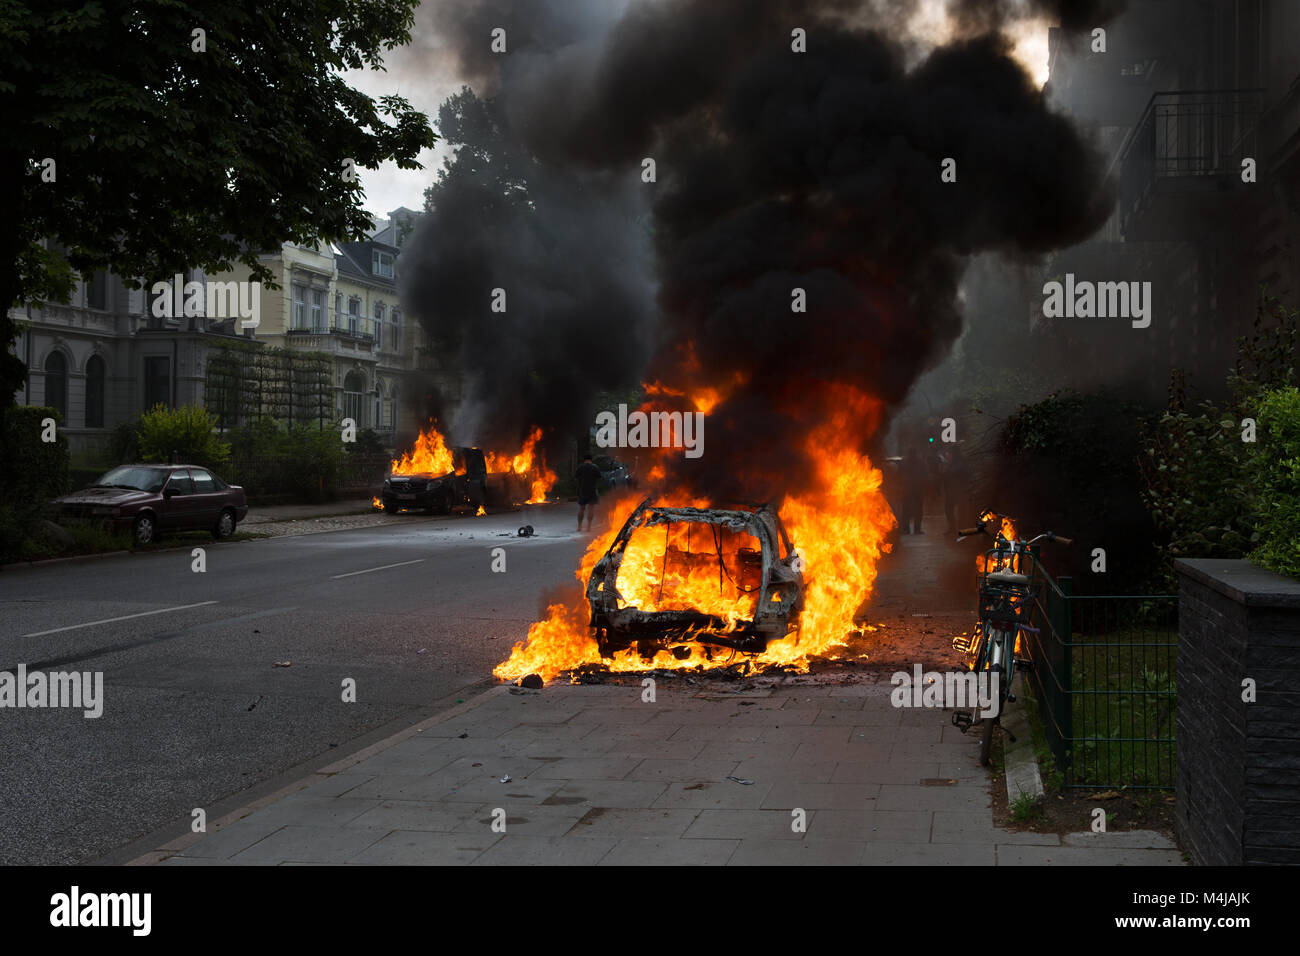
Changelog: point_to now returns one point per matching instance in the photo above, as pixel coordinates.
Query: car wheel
(144, 531)
(225, 525)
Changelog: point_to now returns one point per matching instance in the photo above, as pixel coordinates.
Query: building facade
(1196, 107)
(106, 355)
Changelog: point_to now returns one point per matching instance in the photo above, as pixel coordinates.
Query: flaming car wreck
(729, 578)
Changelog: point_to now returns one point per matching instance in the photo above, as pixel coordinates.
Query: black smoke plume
(776, 170)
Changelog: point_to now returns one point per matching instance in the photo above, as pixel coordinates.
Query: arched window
(56, 383)
(353, 400)
(95, 373)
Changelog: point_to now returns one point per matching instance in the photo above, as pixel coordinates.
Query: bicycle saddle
(1008, 577)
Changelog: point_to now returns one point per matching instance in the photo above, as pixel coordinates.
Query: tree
(486, 155)
(148, 137)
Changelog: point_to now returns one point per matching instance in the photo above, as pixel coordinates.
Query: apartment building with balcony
(1185, 94)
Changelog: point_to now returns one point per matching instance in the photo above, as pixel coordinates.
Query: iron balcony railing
(1198, 138)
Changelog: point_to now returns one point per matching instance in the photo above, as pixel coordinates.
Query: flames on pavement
(837, 519)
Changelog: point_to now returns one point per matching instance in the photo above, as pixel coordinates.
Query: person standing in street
(914, 473)
(587, 478)
(955, 479)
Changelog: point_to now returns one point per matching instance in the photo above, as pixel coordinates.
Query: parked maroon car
(151, 499)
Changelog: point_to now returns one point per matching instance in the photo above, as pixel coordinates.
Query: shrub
(124, 443)
(1193, 475)
(368, 443)
(1275, 473)
(317, 461)
(183, 435)
(1069, 464)
(32, 472)
(1199, 481)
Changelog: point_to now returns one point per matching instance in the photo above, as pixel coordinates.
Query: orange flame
(839, 525)
(431, 456)
(1008, 529)
(376, 503)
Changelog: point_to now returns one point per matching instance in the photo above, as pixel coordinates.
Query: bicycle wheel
(998, 650)
(986, 740)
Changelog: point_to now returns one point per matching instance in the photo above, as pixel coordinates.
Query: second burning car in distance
(465, 485)
(148, 500)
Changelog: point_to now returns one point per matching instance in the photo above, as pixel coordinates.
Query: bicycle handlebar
(982, 528)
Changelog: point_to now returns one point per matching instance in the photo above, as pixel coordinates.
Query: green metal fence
(1104, 679)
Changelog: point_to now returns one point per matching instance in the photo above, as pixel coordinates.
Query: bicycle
(1005, 598)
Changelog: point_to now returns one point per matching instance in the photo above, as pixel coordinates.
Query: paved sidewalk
(712, 772)
(263, 514)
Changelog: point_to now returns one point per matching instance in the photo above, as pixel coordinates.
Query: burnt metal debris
(774, 570)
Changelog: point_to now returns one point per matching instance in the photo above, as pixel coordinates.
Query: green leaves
(185, 435)
(1275, 470)
(168, 158)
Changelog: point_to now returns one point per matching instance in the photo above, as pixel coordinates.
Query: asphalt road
(195, 713)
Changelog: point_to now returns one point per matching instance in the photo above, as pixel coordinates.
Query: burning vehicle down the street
(435, 477)
(465, 484)
(714, 577)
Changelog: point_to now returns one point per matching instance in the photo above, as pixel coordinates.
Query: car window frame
(174, 473)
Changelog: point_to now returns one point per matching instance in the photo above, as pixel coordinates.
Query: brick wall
(1238, 782)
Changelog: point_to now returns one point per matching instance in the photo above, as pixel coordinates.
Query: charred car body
(759, 580)
(465, 485)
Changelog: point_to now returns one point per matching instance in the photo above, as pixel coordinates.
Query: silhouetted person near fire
(914, 473)
(955, 478)
(588, 479)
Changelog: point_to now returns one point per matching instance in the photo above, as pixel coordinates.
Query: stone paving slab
(820, 775)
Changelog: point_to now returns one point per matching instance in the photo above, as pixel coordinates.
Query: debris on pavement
(742, 781)
(282, 664)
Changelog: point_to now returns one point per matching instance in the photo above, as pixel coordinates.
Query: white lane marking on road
(385, 567)
(124, 617)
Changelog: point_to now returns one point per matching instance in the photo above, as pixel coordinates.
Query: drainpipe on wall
(27, 385)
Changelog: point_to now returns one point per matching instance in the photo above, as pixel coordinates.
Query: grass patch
(1123, 708)
(1026, 808)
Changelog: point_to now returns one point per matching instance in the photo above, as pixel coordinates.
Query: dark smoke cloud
(779, 170)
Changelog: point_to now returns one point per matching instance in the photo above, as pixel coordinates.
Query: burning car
(465, 484)
(675, 576)
(434, 476)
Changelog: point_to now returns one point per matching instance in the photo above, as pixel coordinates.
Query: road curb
(1019, 761)
(176, 845)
